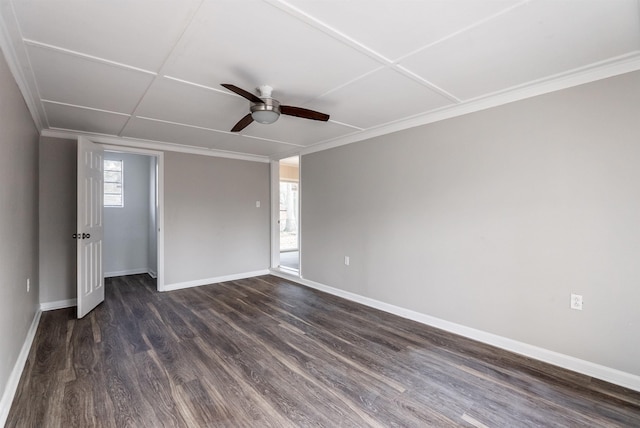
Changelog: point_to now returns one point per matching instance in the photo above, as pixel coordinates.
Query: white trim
(198, 85)
(299, 225)
(207, 281)
(151, 145)
(85, 56)
(58, 304)
(14, 377)
(76, 106)
(126, 272)
(160, 222)
(329, 31)
(218, 131)
(588, 368)
(153, 274)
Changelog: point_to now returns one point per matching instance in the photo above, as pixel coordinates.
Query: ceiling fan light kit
(266, 110)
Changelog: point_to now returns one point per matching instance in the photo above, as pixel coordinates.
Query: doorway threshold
(294, 273)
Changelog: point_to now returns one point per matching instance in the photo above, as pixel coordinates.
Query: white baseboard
(59, 304)
(14, 378)
(199, 282)
(125, 272)
(588, 368)
(153, 274)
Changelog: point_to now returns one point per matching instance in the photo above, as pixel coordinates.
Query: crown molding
(153, 145)
(599, 71)
(10, 38)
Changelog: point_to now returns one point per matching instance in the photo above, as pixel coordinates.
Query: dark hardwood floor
(264, 352)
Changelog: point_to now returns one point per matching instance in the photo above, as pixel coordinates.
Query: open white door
(90, 227)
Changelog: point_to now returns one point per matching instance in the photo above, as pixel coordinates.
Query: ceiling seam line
(198, 85)
(355, 79)
(347, 125)
(81, 132)
(408, 73)
(460, 31)
(328, 30)
(86, 56)
(216, 130)
(387, 63)
(44, 100)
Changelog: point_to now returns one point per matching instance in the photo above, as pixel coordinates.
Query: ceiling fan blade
(242, 93)
(242, 123)
(304, 113)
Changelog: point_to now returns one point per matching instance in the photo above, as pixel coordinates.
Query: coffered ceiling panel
(183, 103)
(139, 33)
(301, 131)
(537, 40)
(79, 119)
(251, 43)
(381, 97)
(198, 137)
(395, 29)
(152, 69)
(85, 82)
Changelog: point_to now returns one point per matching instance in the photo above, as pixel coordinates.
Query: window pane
(112, 165)
(113, 176)
(112, 188)
(113, 191)
(113, 200)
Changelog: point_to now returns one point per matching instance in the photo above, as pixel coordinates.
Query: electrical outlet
(28, 284)
(257, 204)
(576, 301)
(346, 260)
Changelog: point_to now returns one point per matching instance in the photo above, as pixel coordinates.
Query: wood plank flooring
(264, 352)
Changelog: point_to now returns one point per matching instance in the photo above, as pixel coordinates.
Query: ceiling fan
(265, 109)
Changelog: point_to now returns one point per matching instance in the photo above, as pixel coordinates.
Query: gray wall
(18, 222)
(126, 229)
(492, 219)
(212, 225)
(58, 177)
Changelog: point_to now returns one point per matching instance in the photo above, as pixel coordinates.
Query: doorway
(289, 214)
(155, 201)
(130, 214)
(90, 217)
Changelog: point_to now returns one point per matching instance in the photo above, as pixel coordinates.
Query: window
(113, 192)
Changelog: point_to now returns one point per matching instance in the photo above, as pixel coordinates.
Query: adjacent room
(320, 213)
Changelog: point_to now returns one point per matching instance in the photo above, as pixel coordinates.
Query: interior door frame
(159, 155)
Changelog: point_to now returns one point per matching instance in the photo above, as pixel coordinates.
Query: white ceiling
(151, 69)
